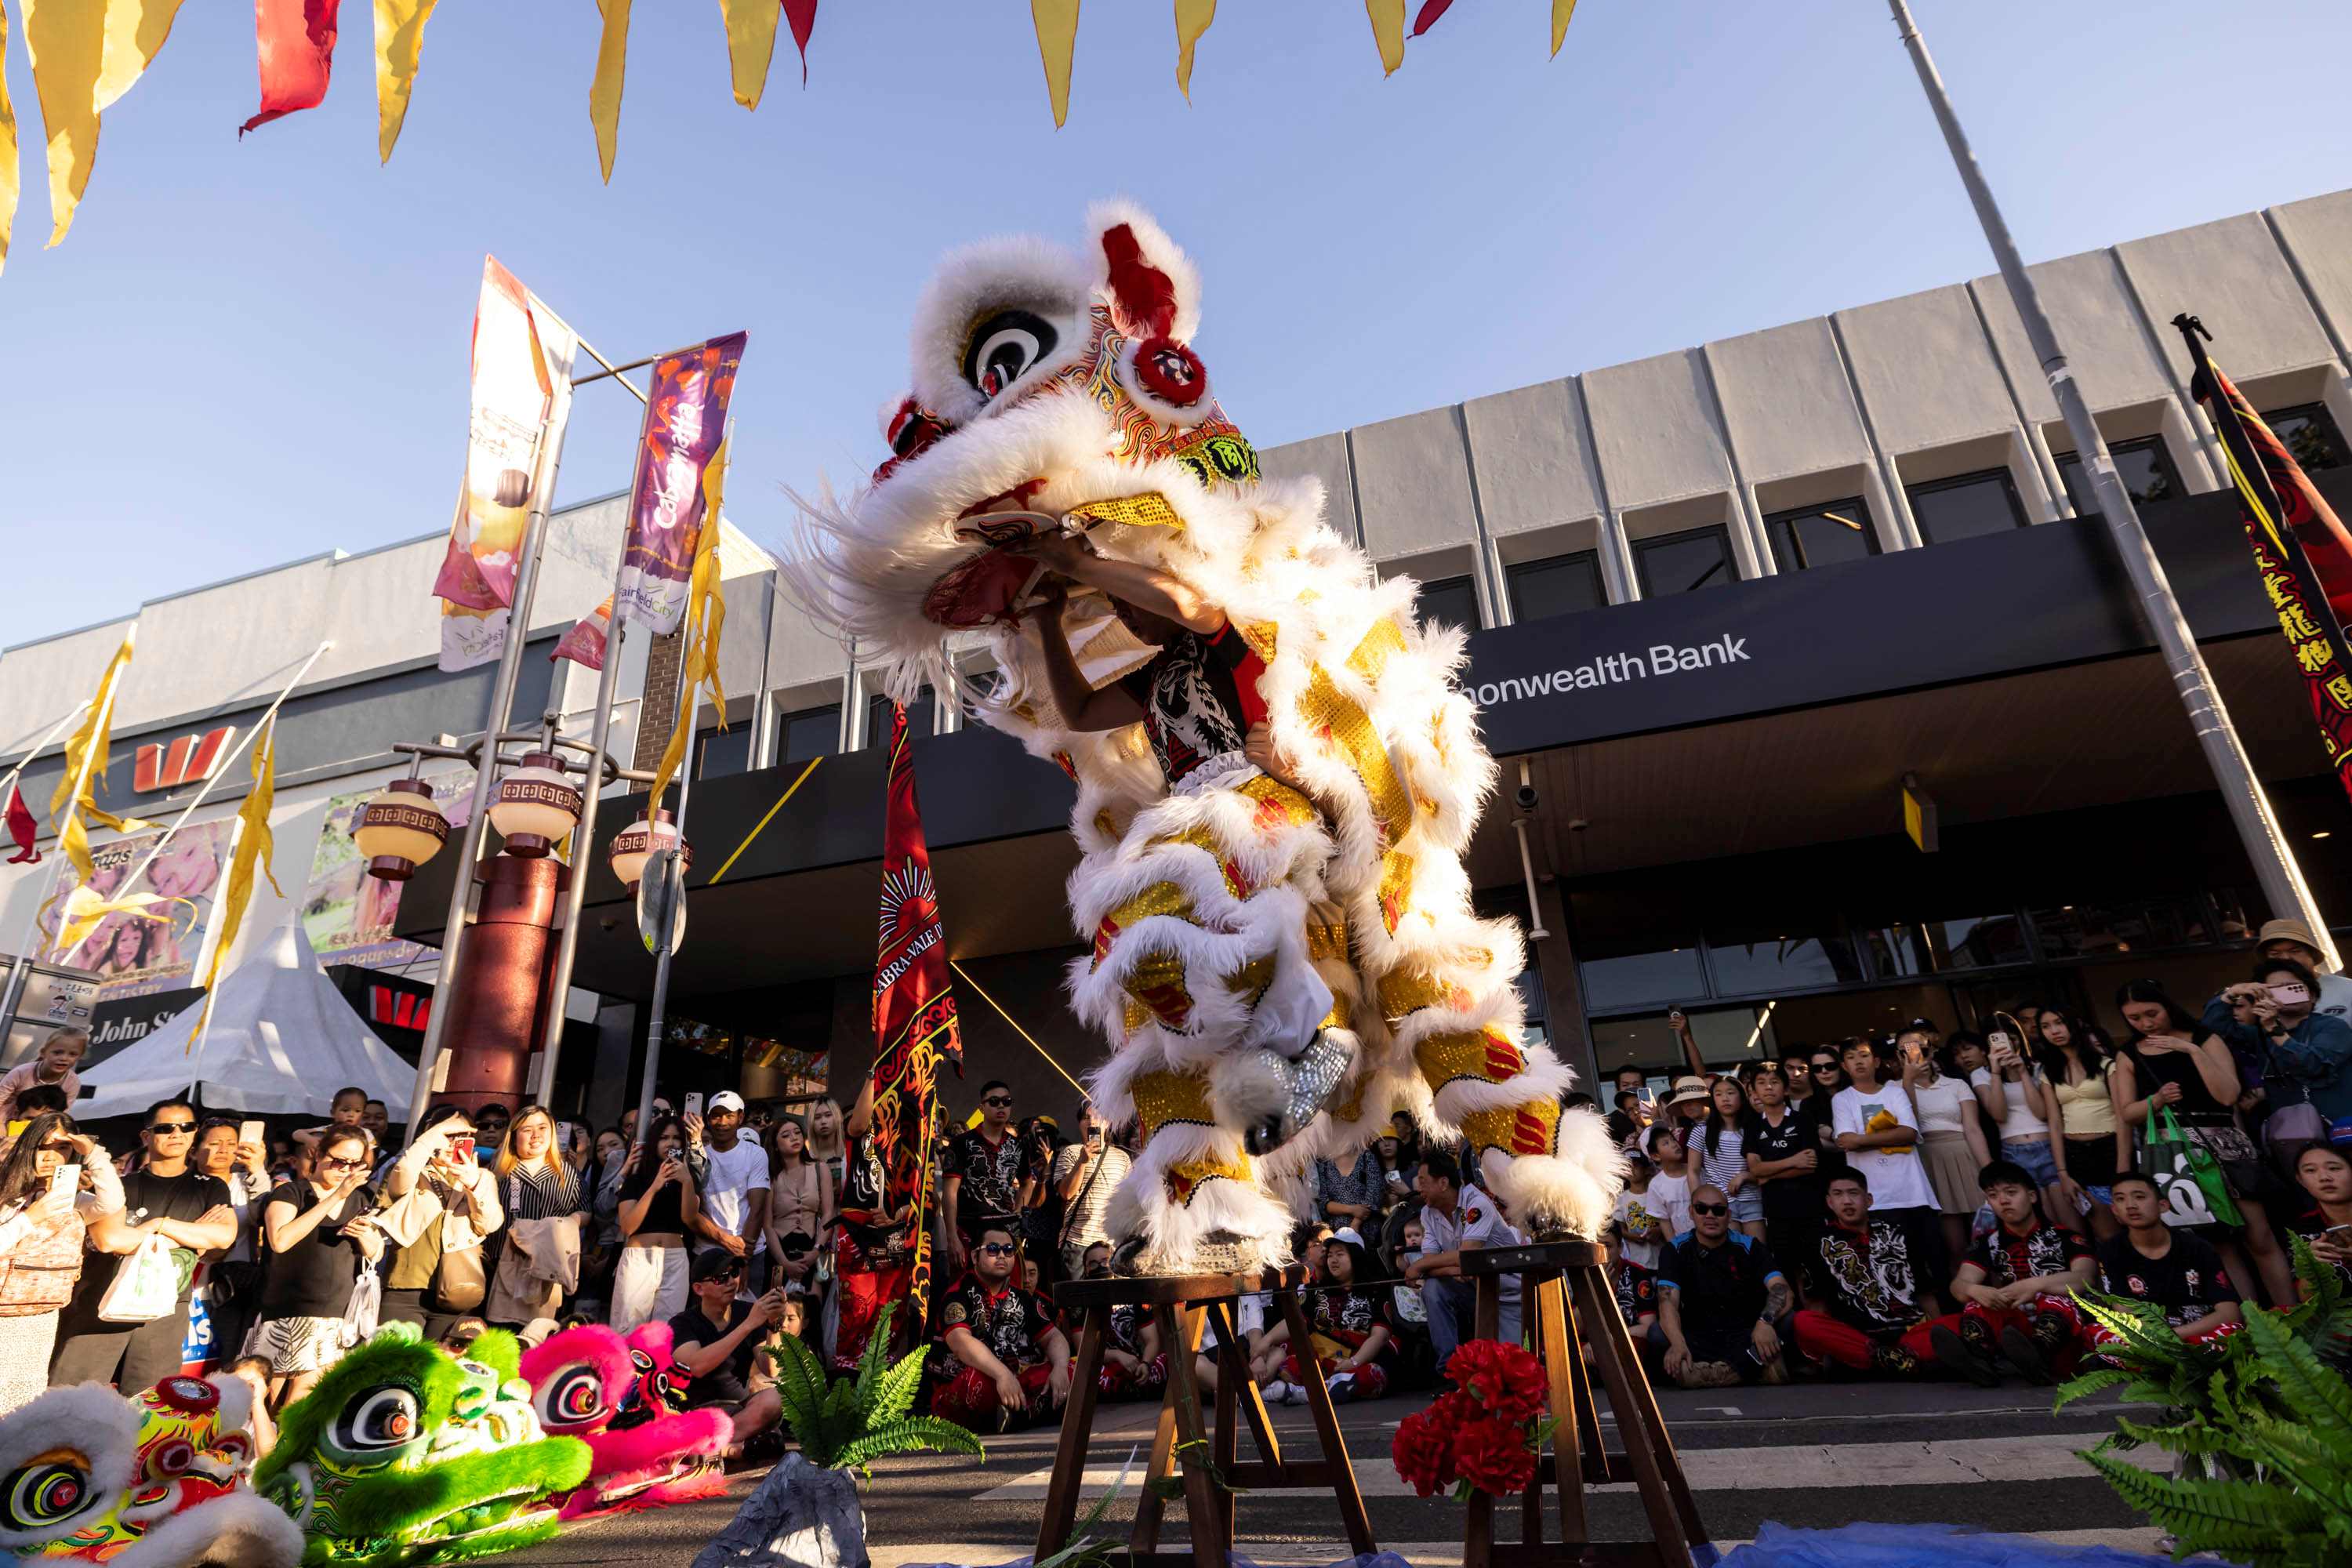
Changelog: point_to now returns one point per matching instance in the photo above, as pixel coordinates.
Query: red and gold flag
(914, 1013)
(2300, 547)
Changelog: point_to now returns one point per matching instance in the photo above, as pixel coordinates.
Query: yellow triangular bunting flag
(1388, 27)
(751, 45)
(1192, 19)
(1561, 10)
(604, 93)
(399, 44)
(85, 56)
(1057, 37)
(10, 187)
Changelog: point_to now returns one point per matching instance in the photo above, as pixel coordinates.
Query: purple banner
(685, 419)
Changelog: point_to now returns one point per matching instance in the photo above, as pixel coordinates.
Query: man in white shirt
(735, 1186)
(1457, 1217)
(1879, 1130)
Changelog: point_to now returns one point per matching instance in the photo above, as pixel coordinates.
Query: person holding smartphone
(2311, 1049)
(443, 1204)
(2017, 1096)
(1085, 1175)
(2324, 1174)
(46, 1217)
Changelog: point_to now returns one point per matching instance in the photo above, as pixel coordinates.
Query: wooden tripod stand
(1565, 1286)
(1183, 1308)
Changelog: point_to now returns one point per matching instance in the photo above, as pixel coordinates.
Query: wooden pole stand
(1565, 1286)
(1207, 1463)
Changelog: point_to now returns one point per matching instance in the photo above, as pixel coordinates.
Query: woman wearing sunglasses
(44, 1222)
(322, 1233)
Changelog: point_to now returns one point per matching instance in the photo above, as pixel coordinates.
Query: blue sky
(250, 351)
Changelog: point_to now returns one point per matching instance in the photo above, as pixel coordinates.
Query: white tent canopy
(283, 1040)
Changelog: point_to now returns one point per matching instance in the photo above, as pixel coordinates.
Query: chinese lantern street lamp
(637, 844)
(535, 805)
(401, 828)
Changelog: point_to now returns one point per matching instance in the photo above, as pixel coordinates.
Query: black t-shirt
(146, 1195)
(2188, 1281)
(864, 1198)
(729, 1383)
(1870, 1281)
(1011, 1322)
(1797, 1194)
(2151, 1070)
(1200, 697)
(1349, 1314)
(991, 1178)
(313, 1277)
(2045, 1249)
(1720, 1287)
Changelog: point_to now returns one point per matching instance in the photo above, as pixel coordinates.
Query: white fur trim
(1016, 272)
(1572, 1192)
(240, 1527)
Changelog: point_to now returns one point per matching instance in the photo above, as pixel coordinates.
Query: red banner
(297, 43)
(2301, 547)
(686, 418)
(914, 1012)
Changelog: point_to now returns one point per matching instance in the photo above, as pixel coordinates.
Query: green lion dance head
(406, 1453)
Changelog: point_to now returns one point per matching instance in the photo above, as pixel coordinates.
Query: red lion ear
(1142, 297)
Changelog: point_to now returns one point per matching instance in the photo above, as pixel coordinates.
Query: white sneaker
(1293, 1395)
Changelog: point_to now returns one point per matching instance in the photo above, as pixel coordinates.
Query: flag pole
(2284, 888)
(499, 713)
(690, 697)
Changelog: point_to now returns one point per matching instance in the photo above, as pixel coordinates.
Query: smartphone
(462, 1146)
(252, 1133)
(2291, 994)
(564, 1138)
(2338, 1234)
(694, 1104)
(66, 1182)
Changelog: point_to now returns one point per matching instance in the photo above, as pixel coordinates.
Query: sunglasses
(1825, 1066)
(997, 1248)
(170, 1127)
(333, 1164)
(998, 1099)
(1710, 1208)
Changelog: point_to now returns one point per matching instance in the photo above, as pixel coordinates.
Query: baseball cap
(2287, 930)
(725, 1100)
(716, 1264)
(1632, 1147)
(1347, 1232)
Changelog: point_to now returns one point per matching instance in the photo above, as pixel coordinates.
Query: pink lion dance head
(623, 1398)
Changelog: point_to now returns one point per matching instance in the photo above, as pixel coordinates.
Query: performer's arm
(1083, 708)
(1145, 587)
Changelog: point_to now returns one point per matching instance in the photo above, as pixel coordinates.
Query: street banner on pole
(522, 395)
(2300, 547)
(914, 1016)
(685, 416)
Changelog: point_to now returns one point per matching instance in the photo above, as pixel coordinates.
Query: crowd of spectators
(1922, 1204)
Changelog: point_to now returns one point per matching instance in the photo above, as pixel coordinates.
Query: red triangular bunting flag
(22, 828)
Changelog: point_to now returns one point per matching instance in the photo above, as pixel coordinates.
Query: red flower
(1492, 1455)
(1506, 1380)
(1423, 1452)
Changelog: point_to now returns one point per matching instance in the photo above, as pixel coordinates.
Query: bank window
(1558, 586)
(1821, 535)
(1451, 601)
(2309, 434)
(1786, 957)
(719, 753)
(1641, 978)
(1681, 563)
(2144, 465)
(1980, 942)
(922, 717)
(1966, 506)
(811, 733)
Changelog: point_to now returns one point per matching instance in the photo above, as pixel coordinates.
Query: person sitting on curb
(1720, 1301)
(1000, 1362)
(2018, 1284)
(1456, 1216)
(2178, 1271)
(1876, 1310)
(715, 1341)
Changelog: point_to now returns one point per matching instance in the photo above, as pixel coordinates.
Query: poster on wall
(133, 956)
(348, 914)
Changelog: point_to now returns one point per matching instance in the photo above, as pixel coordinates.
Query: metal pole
(658, 1007)
(494, 725)
(2249, 808)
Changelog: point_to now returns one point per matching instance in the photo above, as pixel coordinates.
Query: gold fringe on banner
(1561, 10)
(1192, 19)
(706, 618)
(751, 45)
(1388, 28)
(85, 55)
(255, 845)
(604, 92)
(399, 45)
(1057, 38)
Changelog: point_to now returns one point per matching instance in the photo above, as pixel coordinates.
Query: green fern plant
(858, 1420)
(2261, 1427)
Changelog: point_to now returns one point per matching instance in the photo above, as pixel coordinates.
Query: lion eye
(52, 1488)
(574, 1395)
(1004, 347)
(386, 1419)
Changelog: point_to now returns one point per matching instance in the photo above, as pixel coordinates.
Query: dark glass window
(1821, 535)
(1966, 506)
(811, 733)
(921, 717)
(1784, 957)
(1678, 562)
(2144, 465)
(1558, 586)
(2309, 434)
(719, 753)
(1616, 977)
(1451, 601)
(1977, 943)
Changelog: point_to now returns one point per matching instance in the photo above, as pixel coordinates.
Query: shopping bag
(2186, 1177)
(367, 1302)
(146, 1285)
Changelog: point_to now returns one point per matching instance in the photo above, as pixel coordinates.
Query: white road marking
(1780, 1468)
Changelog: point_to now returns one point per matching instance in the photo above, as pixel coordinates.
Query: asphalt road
(1811, 1455)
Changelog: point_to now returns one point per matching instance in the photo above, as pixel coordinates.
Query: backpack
(38, 1271)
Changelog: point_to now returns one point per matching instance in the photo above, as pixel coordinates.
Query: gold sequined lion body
(1053, 388)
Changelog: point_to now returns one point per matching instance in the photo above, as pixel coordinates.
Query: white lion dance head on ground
(1279, 963)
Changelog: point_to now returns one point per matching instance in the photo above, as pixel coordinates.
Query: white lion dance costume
(1246, 934)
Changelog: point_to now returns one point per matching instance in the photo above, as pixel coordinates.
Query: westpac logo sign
(191, 759)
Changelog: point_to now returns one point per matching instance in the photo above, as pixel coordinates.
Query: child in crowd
(1636, 1232)
(51, 1066)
